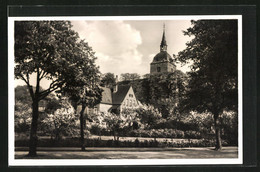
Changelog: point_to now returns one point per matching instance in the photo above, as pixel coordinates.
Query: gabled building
(116, 99)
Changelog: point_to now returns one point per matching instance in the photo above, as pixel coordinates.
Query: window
(95, 110)
(158, 69)
(131, 95)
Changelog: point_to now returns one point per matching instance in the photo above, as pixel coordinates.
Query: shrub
(157, 133)
(192, 134)
(60, 121)
(75, 142)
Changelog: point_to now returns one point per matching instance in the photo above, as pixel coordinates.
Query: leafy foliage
(129, 76)
(52, 50)
(213, 80)
(116, 124)
(22, 117)
(108, 80)
(84, 90)
(60, 120)
(148, 115)
(166, 90)
(163, 91)
(22, 94)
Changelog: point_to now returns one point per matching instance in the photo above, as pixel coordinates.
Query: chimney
(115, 88)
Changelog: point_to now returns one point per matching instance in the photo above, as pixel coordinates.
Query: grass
(108, 141)
(132, 153)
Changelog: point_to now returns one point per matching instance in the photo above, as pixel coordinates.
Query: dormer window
(131, 95)
(158, 69)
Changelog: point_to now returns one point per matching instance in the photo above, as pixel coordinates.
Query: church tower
(162, 62)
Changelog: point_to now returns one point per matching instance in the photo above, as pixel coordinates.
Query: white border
(97, 162)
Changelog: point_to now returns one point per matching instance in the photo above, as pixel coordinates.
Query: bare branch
(28, 84)
(53, 86)
(43, 75)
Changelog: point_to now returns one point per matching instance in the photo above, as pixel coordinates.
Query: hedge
(75, 142)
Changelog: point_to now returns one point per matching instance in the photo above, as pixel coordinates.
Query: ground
(129, 153)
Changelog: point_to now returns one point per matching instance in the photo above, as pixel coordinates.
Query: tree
(23, 109)
(85, 97)
(166, 90)
(213, 80)
(108, 80)
(130, 76)
(22, 94)
(84, 89)
(148, 115)
(146, 76)
(50, 50)
(119, 124)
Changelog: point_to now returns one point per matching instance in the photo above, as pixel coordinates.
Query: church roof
(162, 56)
(119, 96)
(163, 42)
(108, 97)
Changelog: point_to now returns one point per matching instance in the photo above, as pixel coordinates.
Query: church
(162, 62)
(122, 96)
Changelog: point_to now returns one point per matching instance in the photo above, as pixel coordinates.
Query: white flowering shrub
(22, 117)
(148, 115)
(61, 121)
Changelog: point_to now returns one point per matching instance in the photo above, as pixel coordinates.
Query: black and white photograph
(125, 90)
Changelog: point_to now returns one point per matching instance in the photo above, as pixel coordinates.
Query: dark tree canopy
(213, 81)
(130, 76)
(84, 89)
(22, 94)
(52, 50)
(214, 52)
(163, 91)
(108, 80)
(49, 49)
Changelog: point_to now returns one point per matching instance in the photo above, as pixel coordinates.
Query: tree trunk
(33, 133)
(217, 132)
(114, 133)
(82, 127)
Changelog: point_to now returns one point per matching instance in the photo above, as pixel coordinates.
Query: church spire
(163, 46)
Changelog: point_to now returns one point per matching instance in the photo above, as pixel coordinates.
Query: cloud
(115, 44)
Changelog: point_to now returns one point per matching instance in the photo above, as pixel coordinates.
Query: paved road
(128, 153)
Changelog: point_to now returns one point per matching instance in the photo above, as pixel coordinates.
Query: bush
(192, 134)
(157, 133)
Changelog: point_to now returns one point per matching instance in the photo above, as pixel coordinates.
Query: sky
(128, 46)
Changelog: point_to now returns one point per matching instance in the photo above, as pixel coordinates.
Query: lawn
(108, 141)
(130, 153)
